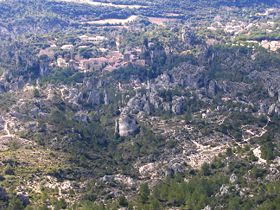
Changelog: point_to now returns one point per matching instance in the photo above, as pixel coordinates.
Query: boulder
(233, 178)
(126, 125)
(107, 178)
(207, 208)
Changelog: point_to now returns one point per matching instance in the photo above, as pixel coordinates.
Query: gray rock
(233, 178)
(100, 84)
(212, 88)
(126, 126)
(271, 109)
(175, 168)
(277, 110)
(188, 75)
(178, 105)
(155, 100)
(107, 178)
(163, 80)
(74, 97)
(106, 98)
(207, 208)
(117, 127)
(31, 126)
(81, 117)
(224, 190)
(147, 108)
(2, 123)
(137, 104)
(166, 106)
(271, 93)
(20, 82)
(262, 108)
(94, 98)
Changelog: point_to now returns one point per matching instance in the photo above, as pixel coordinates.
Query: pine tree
(144, 193)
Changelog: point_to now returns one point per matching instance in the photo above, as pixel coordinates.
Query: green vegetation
(203, 189)
(56, 135)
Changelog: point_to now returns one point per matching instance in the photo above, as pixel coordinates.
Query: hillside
(139, 104)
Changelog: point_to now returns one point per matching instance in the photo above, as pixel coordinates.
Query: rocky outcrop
(138, 103)
(224, 190)
(126, 125)
(148, 170)
(175, 167)
(122, 180)
(20, 83)
(2, 123)
(270, 80)
(212, 88)
(274, 109)
(72, 96)
(233, 179)
(81, 117)
(178, 105)
(154, 99)
(166, 106)
(94, 98)
(106, 98)
(188, 75)
(277, 110)
(271, 109)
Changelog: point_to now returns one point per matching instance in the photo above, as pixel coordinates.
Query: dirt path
(257, 149)
(6, 129)
(257, 152)
(254, 135)
(8, 137)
